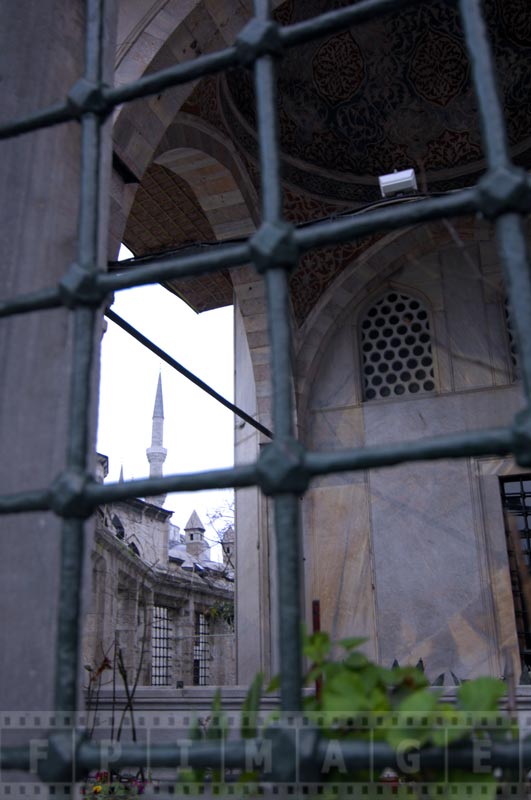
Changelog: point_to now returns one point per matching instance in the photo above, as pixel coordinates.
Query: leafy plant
(357, 699)
(222, 610)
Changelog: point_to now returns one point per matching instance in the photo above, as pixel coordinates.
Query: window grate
(396, 348)
(200, 674)
(160, 647)
(285, 468)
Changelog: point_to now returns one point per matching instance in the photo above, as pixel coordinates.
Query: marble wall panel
(490, 261)
(419, 270)
(403, 420)
(338, 569)
(499, 344)
(337, 382)
(335, 429)
(441, 353)
(466, 319)
(430, 603)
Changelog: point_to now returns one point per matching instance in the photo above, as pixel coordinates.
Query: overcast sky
(198, 431)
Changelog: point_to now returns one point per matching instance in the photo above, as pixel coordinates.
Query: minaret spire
(156, 454)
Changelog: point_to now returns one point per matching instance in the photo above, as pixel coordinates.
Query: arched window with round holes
(397, 357)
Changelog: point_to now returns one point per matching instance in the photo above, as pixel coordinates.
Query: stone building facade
(161, 609)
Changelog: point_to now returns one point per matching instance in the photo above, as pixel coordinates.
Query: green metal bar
(69, 619)
(53, 115)
(240, 476)
(95, 494)
(339, 20)
(176, 267)
(215, 754)
(173, 76)
(483, 70)
(495, 441)
(514, 256)
(81, 396)
(37, 500)
(509, 229)
(18, 758)
(346, 229)
(491, 441)
(276, 279)
(316, 235)
(355, 755)
(35, 301)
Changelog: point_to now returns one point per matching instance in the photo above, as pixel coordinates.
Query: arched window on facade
(396, 349)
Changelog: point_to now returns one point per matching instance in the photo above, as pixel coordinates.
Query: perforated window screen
(396, 348)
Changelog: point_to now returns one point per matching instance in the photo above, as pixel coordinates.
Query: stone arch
(359, 281)
(149, 40)
(167, 33)
(210, 165)
(133, 544)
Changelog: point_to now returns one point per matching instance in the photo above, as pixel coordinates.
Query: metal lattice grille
(200, 650)
(285, 468)
(160, 647)
(396, 348)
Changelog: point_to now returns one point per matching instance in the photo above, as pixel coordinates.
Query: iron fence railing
(285, 467)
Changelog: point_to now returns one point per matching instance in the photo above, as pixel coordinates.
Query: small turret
(194, 539)
(229, 549)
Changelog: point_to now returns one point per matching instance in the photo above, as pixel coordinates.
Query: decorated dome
(391, 93)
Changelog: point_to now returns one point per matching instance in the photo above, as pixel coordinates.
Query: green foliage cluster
(222, 610)
(357, 699)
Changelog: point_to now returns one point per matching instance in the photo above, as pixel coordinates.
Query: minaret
(156, 454)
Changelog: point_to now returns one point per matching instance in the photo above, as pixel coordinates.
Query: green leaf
(449, 725)
(423, 701)
(218, 724)
(409, 678)
(274, 684)
(317, 646)
(352, 642)
(415, 726)
(356, 661)
(481, 694)
(196, 731)
(345, 694)
(251, 708)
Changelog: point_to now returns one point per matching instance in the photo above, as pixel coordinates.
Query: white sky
(198, 431)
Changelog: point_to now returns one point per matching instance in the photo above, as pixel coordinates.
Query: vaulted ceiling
(392, 93)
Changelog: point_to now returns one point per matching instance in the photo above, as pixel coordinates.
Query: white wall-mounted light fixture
(398, 182)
